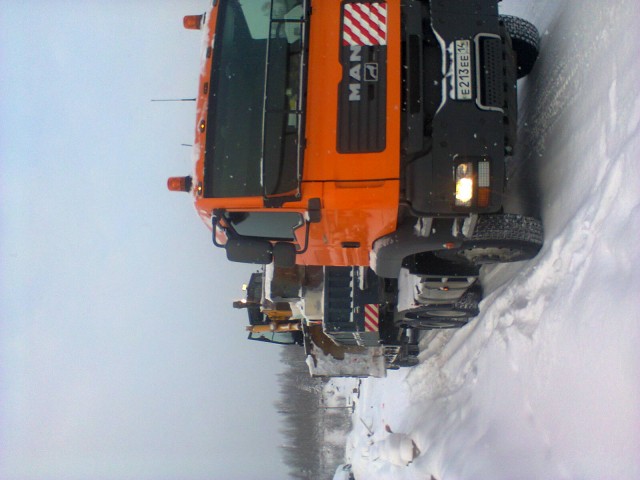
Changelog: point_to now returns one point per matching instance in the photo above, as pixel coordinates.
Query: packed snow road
(545, 383)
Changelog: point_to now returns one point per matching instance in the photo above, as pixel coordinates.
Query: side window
(258, 15)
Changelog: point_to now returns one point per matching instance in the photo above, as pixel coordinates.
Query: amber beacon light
(192, 22)
(179, 184)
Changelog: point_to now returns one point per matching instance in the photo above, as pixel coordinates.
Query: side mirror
(249, 250)
(284, 254)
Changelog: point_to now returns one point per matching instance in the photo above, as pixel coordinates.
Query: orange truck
(364, 134)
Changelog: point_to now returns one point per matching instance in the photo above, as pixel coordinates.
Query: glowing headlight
(464, 184)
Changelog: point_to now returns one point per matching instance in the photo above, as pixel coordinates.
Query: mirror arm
(314, 216)
(306, 239)
(214, 223)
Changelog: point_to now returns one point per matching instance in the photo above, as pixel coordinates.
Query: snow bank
(545, 382)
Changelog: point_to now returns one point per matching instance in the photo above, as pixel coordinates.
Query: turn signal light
(484, 184)
(484, 195)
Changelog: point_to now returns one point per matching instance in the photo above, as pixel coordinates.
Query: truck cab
(355, 133)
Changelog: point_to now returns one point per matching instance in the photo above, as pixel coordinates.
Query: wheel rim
(435, 323)
(445, 314)
(425, 320)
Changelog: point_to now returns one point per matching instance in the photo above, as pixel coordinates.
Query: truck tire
(525, 40)
(500, 238)
(408, 361)
(428, 317)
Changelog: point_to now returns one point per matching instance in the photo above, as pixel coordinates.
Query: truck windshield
(254, 122)
(283, 338)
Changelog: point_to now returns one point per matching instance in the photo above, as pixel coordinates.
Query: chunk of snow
(397, 449)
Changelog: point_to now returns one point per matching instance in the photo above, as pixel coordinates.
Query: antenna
(173, 99)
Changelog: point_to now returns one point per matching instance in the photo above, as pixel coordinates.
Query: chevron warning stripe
(371, 315)
(364, 24)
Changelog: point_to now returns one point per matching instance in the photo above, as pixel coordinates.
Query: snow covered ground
(545, 383)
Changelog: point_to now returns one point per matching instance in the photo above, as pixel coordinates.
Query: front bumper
(462, 111)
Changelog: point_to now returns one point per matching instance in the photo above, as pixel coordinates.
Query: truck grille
(338, 305)
(362, 96)
(490, 74)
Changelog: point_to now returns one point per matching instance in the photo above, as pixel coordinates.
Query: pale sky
(121, 356)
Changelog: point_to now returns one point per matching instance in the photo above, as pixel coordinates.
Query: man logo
(358, 74)
(370, 72)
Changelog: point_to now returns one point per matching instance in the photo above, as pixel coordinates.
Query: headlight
(464, 185)
(473, 184)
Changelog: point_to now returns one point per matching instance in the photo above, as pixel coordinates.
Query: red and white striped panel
(371, 316)
(365, 24)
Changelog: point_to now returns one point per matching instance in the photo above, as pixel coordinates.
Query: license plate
(463, 69)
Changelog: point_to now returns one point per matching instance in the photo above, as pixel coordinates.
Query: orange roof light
(192, 22)
(179, 184)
